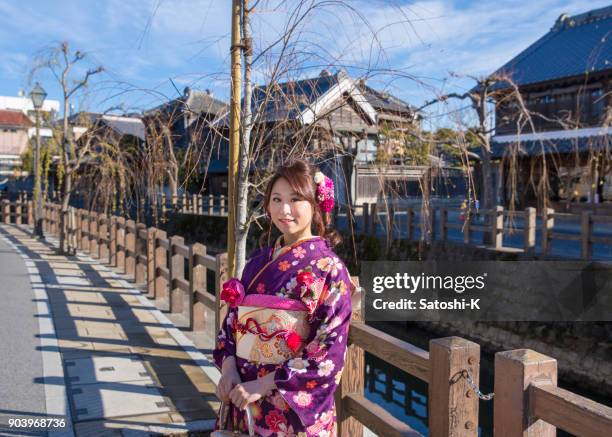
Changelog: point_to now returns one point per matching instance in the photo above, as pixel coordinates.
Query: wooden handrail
(180, 249)
(399, 353)
(180, 283)
(376, 418)
(571, 412)
(207, 261)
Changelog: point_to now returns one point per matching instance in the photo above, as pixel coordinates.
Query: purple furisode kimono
(303, 403)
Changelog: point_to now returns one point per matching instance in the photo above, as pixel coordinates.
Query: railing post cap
(452, 342)
(524, 356)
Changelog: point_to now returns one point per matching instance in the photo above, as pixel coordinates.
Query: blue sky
(143, 44)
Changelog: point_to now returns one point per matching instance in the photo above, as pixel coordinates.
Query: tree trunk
(67, 186)
(242, 228)
(487, 180)
(64, 213)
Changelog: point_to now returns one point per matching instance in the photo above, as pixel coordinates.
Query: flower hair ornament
(325, 192)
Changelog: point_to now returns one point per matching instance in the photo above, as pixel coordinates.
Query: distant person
(282, 344)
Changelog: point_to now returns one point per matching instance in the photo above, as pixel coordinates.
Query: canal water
(405, 396)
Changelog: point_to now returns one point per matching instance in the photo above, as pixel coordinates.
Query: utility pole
(234, 135)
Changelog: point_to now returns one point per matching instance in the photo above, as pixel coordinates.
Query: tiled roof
(287, 100)
(14, 118)
(384, 101)
(194, 101)
(123, 125)
(574, 46)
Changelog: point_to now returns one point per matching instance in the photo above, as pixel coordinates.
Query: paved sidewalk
(22, 394)
(126, 369)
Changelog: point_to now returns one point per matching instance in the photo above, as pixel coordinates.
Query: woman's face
(290, 213)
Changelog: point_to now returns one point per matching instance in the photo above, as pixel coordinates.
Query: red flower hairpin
(325, 192)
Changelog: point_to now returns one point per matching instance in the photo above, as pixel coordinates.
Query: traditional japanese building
(565, 79)
(340, 120)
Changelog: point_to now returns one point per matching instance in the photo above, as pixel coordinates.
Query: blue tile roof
(288, 99)
(574, 46)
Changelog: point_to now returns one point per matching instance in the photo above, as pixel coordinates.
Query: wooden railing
(435, 223)
(18, 212)
(497, 224)
(193, 204)
(527, 399)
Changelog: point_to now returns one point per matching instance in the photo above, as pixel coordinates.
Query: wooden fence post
(150, 248)
(548, 223)
(161, 261)
(93, 234)
(120, 244)
(44, 217)
(353, 378)
(194, 203)
(30, 209)
(177, 271)
(141, 252)
(443, 223)
(211, 204)
(6, 211)
(197, 285)
(529, 230)
(467, 227)
(130, 248)
(431, 237)
(220, 278)
(374, 218)
(84, 230)
(453, 406)
(104, 237)
(222, 205)
(586, 229)
(391, 221)
(409, 224)
(112, 245)
(514, 372)
(497, 227)
(18, 212)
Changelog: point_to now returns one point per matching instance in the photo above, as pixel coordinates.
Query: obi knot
(232, 292)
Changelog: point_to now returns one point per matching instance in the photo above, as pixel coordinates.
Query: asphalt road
(22, 393)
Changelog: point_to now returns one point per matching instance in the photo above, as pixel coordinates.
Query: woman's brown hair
(300, 176)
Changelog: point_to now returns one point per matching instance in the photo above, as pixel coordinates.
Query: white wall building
(13, 140)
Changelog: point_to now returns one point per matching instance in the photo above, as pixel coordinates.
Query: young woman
(282, 344)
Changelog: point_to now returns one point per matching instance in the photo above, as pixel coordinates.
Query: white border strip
(56, 398)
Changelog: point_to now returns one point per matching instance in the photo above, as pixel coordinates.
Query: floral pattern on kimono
(303, 403)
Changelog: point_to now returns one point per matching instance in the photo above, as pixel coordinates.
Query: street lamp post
(37, 95)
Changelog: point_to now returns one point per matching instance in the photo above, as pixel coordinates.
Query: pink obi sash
(270, 329)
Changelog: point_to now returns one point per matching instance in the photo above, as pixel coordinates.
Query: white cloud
(146, 42)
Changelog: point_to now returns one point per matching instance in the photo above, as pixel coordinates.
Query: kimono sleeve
(308, 383)
(226, 342)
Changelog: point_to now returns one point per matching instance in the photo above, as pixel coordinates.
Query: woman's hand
(248, 392)
(229, 379)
